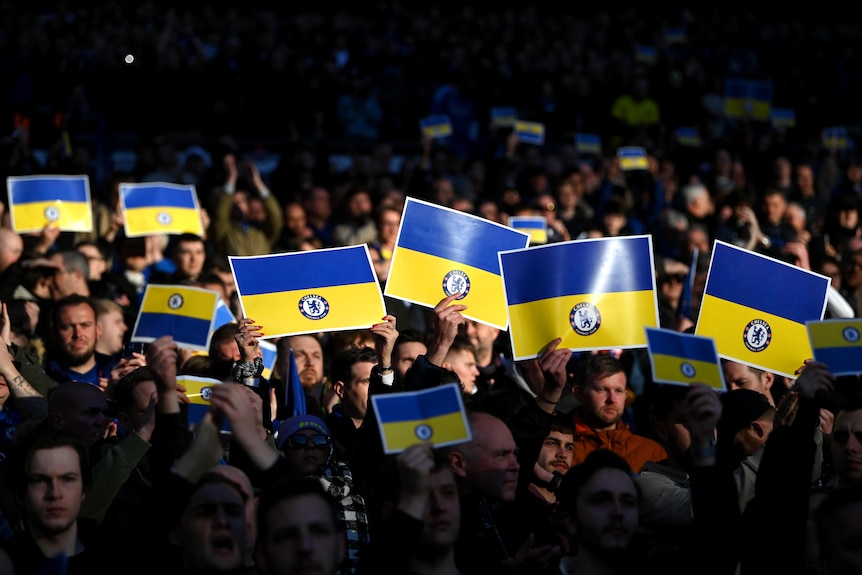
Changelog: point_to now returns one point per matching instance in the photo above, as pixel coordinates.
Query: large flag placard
(441, 251)
(160, 208)
(434, 415)
(187, 313)
(681, 358)
(837, 343)
(595, 294)
(61, 201)
(536, 226)
(293, 293)
(756, 308)
(199, 391)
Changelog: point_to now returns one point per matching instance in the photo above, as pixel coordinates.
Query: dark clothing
(102, 370)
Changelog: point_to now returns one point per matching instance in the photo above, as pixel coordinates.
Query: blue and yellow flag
(783, 118)
(223, 314)
(756, 308)
(292, 293)
(675, 36)
(270, 355)
(160, 208)
(595, 294)
(187, 313)
(62, 201)
(530, 132)
(199, 391)
(434, 415)
(682, 358)
(688, 137)
(536, 226)
(632, 158)
(590, 144)
(750, 99)
(441, 251)
(436, 126)
(646, 54)
(838, 344)
(503, 117)
(835, 138)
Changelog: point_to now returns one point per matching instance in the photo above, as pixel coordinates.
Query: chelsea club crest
(313, 306)
(52, 213)
(175, 301)
(585, 318)
(757, 335)
(456, 281)
(687, 369)
(164, 218)
(850, 334)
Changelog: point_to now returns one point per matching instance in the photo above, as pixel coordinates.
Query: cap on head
(297, 423)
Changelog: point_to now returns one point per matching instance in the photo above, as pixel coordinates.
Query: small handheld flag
(632, 158)
(589, 144)
(61, 201)
(530, 132)
(199, 391)
(436, 126)
(187, 313)
(536, 226)
(837, 343)
(503, 117)
(160, 208)
(682, 359)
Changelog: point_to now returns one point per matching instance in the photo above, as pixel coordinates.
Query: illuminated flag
(756, 308)
(434, 415)
(595, 294)
(783, 118)
(441, 251)
(688, 137)
(436, 126)
(503, 117)
(835, 138)
(63, 201)
(632, 158)
(536, 226)
(270, 354)
(187, 313)
(645, 54)
(223, 314)
(837, 343)
(330, 289)
(199, 392)
(160, 208)
(747, 99)
(530, 132)
(682, 358)
(588, 144)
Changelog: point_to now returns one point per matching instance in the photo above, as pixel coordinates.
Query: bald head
(11, 248)
(80, 408)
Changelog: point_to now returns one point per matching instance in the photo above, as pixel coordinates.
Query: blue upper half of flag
(579, 267)
(668, 342)
(738, 88)
(303, 270)
(158, 196)
(48, 189)
(418, 406)
(766, 284)
(456, 236)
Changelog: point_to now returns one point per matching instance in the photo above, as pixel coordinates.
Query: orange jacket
(636, 449)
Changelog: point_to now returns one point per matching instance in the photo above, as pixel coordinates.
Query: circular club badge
(175, 301)
(850, 333)
(164, 218)
(757, 335)
(424, 432)
(52, 213)
(206, 393)
(456, 281)
(687, 369)
(585, 318)
(313, 306)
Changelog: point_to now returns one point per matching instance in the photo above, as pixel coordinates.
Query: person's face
(77, 332)
(604, 400)
(671, 287)
(294, 219)
(774, 206)
(833, 270)
(112, 330)
(557, 452)
(463, 363)
(241, 479)
(847, 445)
(95, 261)
(359, 205)
(490, 465)
(212, 530)
(229, 350)
(307, 458)
(405, 354)
(144, 392)
(566, 196)
(739, 376)
(88, 415)
(852, 276)
(387, 226)
(442, 516)
(11, 248)
(606, 512)
(697, 239)
(805, 180)
(481, 335)
(55, 490)
(309, 360)
(240, 204)
(844, 554)
(302, 537)
(354, 393)
(63, 281)
(190, 257)
(320, 204)
(256, 210)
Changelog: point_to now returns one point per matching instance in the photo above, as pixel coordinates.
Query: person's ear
(338, 388)
(758, 429)
(458, 463)
(768, 379)
(578, 392)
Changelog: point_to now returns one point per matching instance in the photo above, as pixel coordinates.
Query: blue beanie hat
(297, 423)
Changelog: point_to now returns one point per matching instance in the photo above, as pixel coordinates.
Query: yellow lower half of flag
(419, 277)
(162, 220)
(726, 323)
(623, 317)
(672, 368)
(67, 216)
(349, 307)
(537, 236)
(445, 430)
(830, 333)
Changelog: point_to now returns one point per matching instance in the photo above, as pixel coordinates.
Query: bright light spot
(129, 59)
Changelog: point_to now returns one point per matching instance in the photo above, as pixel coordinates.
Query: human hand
(230, 168)
(242, 408)
(701, 411)
(5, 325)
(553, 362)
(800, 252)
(125, 366)
(385, 335)
(162, 358)
(532, 559)
(414, 466)
(47, 237)
(445, 323)
(814, 379)
(246, 337)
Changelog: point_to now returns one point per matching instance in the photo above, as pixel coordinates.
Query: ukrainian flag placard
(747, 99)
(270, 354)
(837, 343)
(675, 36)
(199, 391)
(503, 117)
(588, 144)
(756, 308)
(536, 226)
(783, 118)
(441, 251)
(223, 314)
(293, 293)
(835, 138)
(595, 294)
(688, 137)
(682, 358)
(160, 208)
(530, 132)
(646, 54)
(187, 313)
(436, 126)
(434, 415)
(632, 158)
(38, 201)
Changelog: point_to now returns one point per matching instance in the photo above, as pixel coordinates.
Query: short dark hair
(578, 475)
(123, 392)
(290, 487)
(599, 366)
(68, 301)
(342, 362)
(42, 437)
(221, 335)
